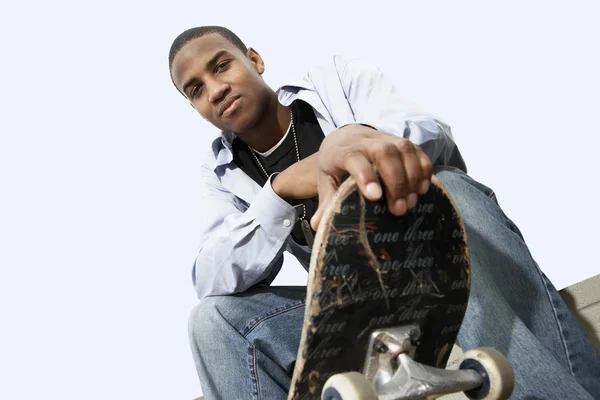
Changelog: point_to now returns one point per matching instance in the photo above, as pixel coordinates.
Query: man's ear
(256, 60)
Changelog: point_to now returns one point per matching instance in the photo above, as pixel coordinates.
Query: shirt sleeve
(376, 101)
(240, 245)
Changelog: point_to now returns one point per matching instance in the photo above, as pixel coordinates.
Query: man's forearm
(297, 182)
(281, 186)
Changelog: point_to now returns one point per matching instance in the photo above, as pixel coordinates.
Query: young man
(280, 157)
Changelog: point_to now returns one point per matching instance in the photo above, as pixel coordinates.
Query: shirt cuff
(273, 213)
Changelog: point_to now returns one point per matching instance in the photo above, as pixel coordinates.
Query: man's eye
(223, 65)
(195, 91)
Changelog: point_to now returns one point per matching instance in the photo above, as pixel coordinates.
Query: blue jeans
(245, 345)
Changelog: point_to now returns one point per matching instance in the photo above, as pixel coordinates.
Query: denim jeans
(244, 346)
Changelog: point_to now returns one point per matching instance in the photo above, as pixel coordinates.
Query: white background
(99, 161)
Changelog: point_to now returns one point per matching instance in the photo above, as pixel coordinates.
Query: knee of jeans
(450, 177)
(457, 181)
(203, 320)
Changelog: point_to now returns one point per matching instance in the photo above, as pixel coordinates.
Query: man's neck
(272, 127)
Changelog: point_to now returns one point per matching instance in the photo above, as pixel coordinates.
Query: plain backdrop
(99, 159)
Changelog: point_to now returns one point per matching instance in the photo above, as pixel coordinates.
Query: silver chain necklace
(306, 229)
(297, 158)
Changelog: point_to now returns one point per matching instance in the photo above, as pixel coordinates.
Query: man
(279, 159)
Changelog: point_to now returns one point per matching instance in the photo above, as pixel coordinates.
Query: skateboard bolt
(380, 347)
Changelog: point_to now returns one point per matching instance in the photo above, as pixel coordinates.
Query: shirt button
(287, 222)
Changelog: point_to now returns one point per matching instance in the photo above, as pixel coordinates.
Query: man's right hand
(367, 155)
(299, 181)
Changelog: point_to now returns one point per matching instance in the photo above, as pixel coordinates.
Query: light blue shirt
(248, 227)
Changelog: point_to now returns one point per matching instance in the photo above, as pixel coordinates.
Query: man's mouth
(228, 106)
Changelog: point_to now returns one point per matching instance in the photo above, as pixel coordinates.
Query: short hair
(194, 33)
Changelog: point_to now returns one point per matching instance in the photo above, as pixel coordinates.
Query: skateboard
(386, 297)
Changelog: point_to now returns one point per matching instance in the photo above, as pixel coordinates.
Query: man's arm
(376, 101)
(299, 181)
(392, 139)
(239, 247)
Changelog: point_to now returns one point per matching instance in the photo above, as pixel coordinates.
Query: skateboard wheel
(348, 386)
(496, 371)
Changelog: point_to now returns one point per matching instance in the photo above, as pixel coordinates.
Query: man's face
(221, 82)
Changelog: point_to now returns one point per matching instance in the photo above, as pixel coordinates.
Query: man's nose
(217, 91)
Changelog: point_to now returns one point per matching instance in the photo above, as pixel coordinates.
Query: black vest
(309, 135)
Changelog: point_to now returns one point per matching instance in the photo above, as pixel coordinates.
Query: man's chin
(231, 125)
(243, 124)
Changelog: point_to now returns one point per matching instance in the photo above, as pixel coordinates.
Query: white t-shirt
(272, 149)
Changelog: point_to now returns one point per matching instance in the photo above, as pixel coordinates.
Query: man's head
(213, 69)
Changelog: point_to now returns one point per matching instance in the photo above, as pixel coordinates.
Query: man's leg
(245, 346)
(513, 306)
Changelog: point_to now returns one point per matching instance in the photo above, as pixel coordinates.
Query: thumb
(326, 186)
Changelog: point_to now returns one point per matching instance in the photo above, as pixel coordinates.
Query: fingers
(400, 170)
(412, 171)
(426, 170)
(326, 186)
(404, 168)
(363, 172)
(359, 167)
(388, 161)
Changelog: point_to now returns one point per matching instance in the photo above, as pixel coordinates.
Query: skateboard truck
(391, 373)
(395, 375)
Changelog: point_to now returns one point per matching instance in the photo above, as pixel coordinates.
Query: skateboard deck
(372, 270)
